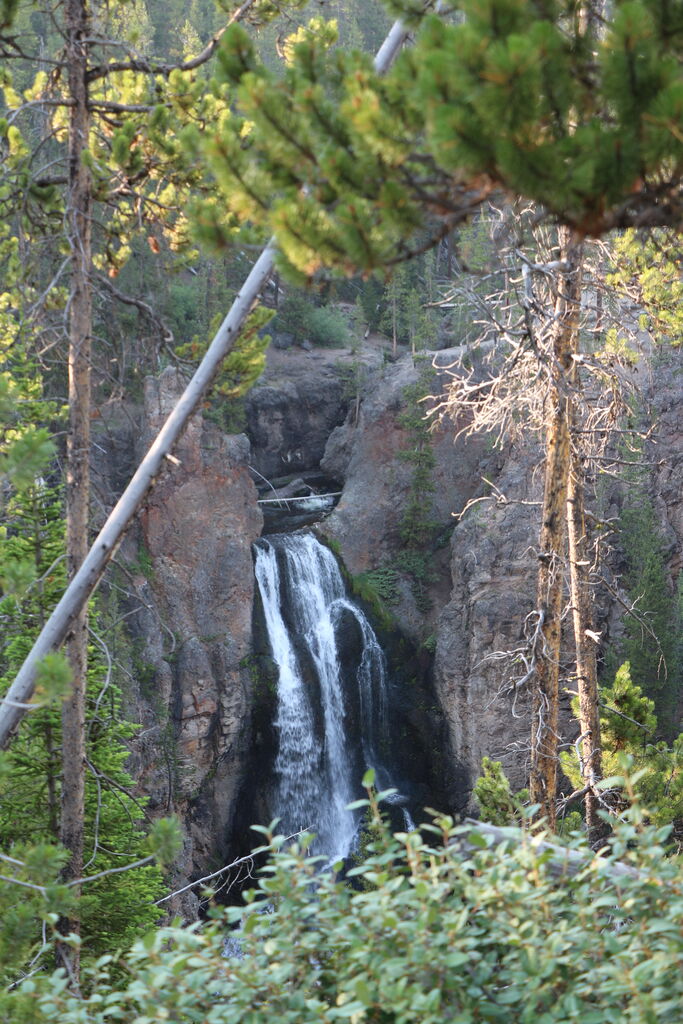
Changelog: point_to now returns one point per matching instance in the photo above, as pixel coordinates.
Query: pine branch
(161, 68)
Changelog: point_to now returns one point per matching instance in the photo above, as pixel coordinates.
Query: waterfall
(320, 759)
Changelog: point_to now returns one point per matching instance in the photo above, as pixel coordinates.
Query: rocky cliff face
(483, 577)
(493, 580)
(292, 411)
(189, 580)
(368, 453)
(187, 586)
(483, 592)
(665, 453)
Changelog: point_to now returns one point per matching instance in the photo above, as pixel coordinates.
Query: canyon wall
(483, 570)
(185, 581)
(184, 585)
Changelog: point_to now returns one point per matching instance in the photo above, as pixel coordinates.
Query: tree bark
(79, 204)
(585, 646)
(564, 475)
(545, 683)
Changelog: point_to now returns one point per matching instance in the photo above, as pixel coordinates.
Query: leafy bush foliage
(323, 325)
(327, 327)
(435, 931)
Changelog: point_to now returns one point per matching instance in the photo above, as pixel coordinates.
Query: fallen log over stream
(561, 860)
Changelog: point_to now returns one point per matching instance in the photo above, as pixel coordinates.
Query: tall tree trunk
(78, 444)
(585, 646)
(579, 564)
(545, 695)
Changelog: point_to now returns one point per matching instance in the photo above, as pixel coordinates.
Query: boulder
(289, 422)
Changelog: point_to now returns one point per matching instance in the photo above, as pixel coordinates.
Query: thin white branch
(112, 871)
(216, 874)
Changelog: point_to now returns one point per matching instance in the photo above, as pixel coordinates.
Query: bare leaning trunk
(78, 445)
(545, 697)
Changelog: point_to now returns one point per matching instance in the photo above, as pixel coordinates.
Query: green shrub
(293, 314)
(497, 803)
(380, 583)
(323, 325)
(328, 327)
(627, 725)
(434, 932)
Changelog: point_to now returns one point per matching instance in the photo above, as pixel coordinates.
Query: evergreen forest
(458, 226)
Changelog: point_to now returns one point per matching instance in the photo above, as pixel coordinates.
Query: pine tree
(119, 907)
(495, 799)
(628, 727)
(32, 573)
(344, 165)
(649, 271)
(652, 635)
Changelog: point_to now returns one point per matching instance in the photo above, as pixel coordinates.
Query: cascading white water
(304, 598)
(372, 678)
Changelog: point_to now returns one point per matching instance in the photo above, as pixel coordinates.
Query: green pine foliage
(345, 165)
(143, 156)
(495, 799)
(650, 271)
(417, 526)
(298, 118)
(25, 444)
(33, 575)
(372, 298)
(240, 370)
(628, 726)
(115, 909)
(407, 320)
(656, 666)
(627, 719)
(8, 10)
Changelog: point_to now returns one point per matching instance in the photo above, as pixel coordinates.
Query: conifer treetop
(343, 164)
